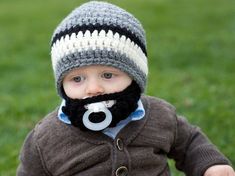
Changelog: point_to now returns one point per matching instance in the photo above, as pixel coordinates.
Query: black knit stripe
(98, 27)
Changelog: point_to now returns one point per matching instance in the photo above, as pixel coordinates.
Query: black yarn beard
(126, 103)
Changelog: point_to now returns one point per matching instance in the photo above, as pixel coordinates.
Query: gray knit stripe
(103, 14)
(98, 57)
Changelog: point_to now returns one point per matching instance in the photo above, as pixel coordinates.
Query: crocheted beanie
(99, 33)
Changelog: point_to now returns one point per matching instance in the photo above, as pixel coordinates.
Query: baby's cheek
(77, 94)
(72, 91)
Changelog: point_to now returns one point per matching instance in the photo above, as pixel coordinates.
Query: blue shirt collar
(63, 117)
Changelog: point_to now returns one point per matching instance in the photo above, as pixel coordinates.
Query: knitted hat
(99, 33)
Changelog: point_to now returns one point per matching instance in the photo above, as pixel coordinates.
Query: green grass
(191, 61)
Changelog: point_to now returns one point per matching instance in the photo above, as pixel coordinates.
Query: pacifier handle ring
(97, 126)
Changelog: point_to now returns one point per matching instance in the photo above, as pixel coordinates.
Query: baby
(105, 124)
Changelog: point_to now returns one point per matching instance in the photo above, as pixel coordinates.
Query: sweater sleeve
(30, 160)
(192, 150)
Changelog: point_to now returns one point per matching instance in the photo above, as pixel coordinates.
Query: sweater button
(119, 144)
(122, 171)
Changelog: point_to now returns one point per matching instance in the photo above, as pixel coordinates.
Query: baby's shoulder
(47, 122)
(159, 111)
(155, 103)
(50, 128)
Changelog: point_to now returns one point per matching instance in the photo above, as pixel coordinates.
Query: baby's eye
(78, 79)
(107, 75)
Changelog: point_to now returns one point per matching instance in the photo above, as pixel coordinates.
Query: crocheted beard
(102, 111)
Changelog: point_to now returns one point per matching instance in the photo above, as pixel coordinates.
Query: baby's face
(94, 80)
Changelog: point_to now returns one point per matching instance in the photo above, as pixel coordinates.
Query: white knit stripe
(109, 41)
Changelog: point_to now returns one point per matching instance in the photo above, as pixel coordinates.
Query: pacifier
(95, 108)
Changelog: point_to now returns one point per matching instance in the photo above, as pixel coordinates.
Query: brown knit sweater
(141, 148)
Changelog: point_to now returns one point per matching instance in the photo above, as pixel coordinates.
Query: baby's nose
(94, 88)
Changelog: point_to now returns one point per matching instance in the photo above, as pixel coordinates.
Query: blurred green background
(191, 59)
